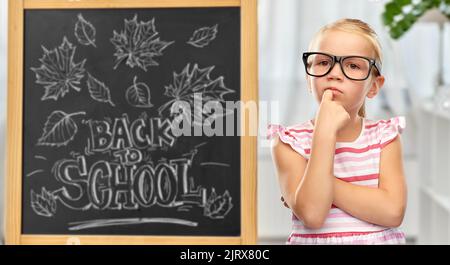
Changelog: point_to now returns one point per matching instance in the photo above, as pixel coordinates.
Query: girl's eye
(354, 66)
(323, 63)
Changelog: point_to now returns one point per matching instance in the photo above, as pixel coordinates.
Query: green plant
(400, 15)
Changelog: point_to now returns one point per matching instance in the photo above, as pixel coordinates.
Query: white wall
(3, 63)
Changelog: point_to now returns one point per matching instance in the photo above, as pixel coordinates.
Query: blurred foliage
(400, 15)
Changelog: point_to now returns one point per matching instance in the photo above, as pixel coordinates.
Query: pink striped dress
(357, 162)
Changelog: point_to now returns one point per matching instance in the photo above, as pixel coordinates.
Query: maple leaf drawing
(138, 43)
(58, 71)
(191, 83)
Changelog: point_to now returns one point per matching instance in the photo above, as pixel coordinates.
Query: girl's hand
(331, 116)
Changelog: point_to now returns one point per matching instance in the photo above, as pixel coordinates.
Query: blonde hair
(353, 26)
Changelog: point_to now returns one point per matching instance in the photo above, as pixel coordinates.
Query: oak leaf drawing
(43, 204)
(217, 207)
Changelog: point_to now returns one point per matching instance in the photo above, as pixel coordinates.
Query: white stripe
(331, 211)
(305, 142)
(369, 138)
(336, 210)
(330, 220)
(358, 226)
(339, 229)
(348, 220)
(300, 126)
(343, 165)
(376, 238)
(362, 143)
(356, 168)
(369, 171)
(370, 133)
(293, 144)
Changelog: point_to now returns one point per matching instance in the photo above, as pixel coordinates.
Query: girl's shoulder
(386, 130)
(379, 132)
(298, 136)
(295, 132)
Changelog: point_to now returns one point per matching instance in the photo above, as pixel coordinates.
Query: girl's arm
(290, 167)
(384, 205)
(308, 187)
(315, 193)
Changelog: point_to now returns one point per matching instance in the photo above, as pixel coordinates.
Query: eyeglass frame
(338, 59)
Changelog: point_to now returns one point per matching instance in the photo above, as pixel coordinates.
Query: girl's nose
(336, 72)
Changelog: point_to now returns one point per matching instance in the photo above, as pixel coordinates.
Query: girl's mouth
(335, 90)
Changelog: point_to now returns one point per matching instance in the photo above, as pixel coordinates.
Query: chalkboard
(126, 127)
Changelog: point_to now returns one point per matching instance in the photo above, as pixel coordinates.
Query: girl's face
(349, 93)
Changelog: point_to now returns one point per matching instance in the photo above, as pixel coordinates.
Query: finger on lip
(334, 90)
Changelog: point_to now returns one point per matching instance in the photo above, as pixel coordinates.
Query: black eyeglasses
(357, 68)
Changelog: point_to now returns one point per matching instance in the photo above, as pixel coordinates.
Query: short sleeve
(389, 129)
(288, 137)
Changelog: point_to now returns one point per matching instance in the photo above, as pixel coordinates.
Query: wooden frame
(249, 92)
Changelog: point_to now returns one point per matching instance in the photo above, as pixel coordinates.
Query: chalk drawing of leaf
(43, 204)
(138, 95)
(203, 36)
(98, 90)
(217, 207)
(58, 72)
(138, 43)
(59, 129)
(191, 84)
(85, 31)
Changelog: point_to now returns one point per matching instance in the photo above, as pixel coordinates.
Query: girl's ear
(376, 86)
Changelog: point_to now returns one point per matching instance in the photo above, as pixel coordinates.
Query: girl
(341, 174)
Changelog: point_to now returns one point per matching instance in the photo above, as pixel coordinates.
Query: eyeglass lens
(353, 67)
